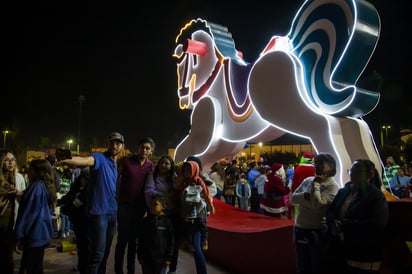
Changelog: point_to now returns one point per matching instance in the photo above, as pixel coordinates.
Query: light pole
(69, 142)
(250, 152)
(384, 128)
(81, 101)
(5, 132)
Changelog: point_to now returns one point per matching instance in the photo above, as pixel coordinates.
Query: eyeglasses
(10, 160)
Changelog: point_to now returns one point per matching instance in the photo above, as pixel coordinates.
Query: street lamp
(5, 132)
(69, 142)
(384, 128)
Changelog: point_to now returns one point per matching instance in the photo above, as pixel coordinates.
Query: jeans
(128, 222)
(230, 200)
(200, 260)
(219, 193)
(100, 232)
(194, 230)
(65, 225)
(243, 203)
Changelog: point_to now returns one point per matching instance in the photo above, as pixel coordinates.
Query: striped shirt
(389, 173)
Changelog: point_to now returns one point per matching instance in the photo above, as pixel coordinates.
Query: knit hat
(308, 155)
(275, 167)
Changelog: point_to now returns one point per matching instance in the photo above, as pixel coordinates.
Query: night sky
(119, 56)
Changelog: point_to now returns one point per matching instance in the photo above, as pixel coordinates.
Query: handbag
(6, 217)
(6, 205)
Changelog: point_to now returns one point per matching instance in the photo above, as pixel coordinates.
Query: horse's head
(196, 62)
(201, 48)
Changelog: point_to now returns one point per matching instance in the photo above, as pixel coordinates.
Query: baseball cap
(115, 136)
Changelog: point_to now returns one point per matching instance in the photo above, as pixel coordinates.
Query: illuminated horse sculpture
(303, 83)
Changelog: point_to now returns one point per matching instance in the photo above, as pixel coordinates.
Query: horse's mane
(221, 37)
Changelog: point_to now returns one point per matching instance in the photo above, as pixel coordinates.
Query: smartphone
(63, 154)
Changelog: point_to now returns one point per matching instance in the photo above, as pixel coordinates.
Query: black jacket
(156, 239)
(364, 223)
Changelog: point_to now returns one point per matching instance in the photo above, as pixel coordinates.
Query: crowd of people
(130, 195)
(156, 208)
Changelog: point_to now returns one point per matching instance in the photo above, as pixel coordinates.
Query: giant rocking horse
(303, 83)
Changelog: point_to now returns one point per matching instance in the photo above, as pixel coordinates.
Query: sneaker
(205, 245)
(63, 236)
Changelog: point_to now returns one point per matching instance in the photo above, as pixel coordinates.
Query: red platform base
(398, 257)
(247, 242)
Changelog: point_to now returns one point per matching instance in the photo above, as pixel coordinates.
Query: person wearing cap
(313, 197)
(101, 203)
(133, 173)
(274, 189)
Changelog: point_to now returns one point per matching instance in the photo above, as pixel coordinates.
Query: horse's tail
(334, 41)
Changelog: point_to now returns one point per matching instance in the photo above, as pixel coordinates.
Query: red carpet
(247, 242)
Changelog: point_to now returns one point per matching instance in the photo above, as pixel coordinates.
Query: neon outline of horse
(303, 83)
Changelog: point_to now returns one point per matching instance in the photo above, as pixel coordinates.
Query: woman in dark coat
(356, 221)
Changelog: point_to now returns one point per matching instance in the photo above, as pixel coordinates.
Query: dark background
(118, 55)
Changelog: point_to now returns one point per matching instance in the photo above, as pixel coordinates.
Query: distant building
(286, 143)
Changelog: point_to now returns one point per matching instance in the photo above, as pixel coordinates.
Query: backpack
(193, 205)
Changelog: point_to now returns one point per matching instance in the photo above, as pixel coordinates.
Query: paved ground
(63, 262)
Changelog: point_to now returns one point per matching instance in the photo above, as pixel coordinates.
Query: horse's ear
(195, 47)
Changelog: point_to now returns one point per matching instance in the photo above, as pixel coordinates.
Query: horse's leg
(204, 139)
(220, 150)
(358, 142)
(201, 134)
